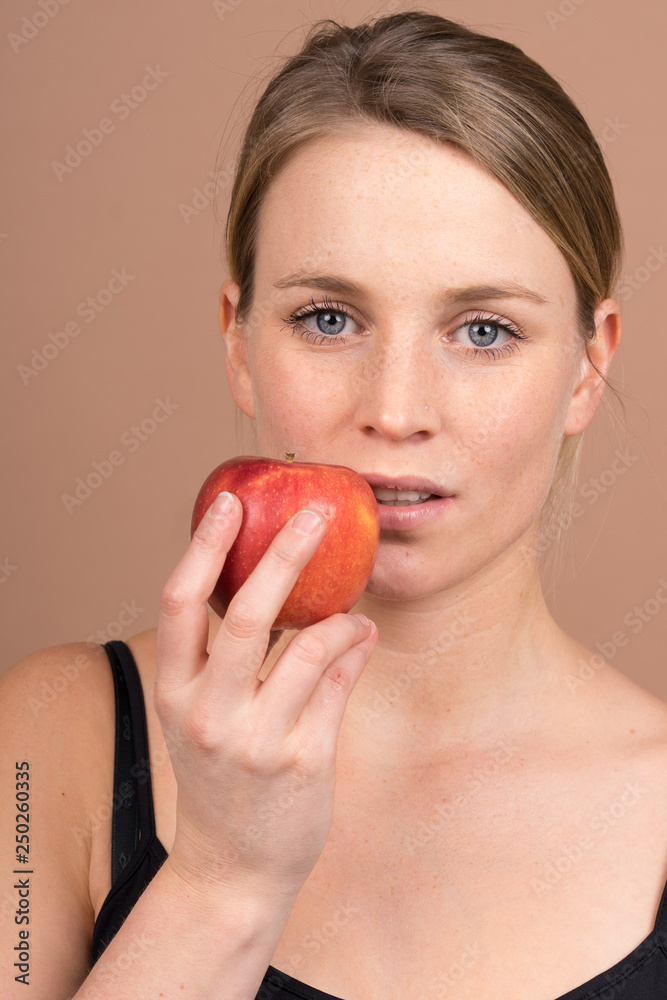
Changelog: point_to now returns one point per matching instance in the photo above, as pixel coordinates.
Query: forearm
(177, 942)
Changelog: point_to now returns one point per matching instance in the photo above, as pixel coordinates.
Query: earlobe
(236, 350)
(590, 384)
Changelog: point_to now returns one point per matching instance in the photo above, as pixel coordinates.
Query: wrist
(220, 898)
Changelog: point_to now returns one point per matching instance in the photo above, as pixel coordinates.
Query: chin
(403, 572)
(399, 579)
(393, 590)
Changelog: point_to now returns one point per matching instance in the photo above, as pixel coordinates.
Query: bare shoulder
(57, 707)
(627, 721)
(66, 683)
(626, 699)
(598, 690)
(57, 717)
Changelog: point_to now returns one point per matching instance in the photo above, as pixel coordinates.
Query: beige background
(67, 576)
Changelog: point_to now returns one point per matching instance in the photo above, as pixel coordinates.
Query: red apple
(271, 491)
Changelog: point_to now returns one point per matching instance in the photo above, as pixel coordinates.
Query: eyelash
(294, 320)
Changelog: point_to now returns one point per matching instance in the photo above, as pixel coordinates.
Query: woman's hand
(254, 760)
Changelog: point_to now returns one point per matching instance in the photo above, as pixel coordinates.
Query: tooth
(398, 498)
(411, 495)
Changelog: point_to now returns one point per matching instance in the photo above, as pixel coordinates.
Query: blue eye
(482, 332)
(330, 322)
(323, 323)
(330, 319)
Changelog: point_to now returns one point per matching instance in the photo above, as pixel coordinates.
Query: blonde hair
(435, 77)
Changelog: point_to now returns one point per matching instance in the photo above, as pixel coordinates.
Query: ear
(590, 386)
(236, 349)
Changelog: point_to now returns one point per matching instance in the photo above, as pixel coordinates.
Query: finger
(183, 622)
(322, 716)
(240, 646)
(299, 669)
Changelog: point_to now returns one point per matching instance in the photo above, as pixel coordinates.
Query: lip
(408, 517)
(406, 483)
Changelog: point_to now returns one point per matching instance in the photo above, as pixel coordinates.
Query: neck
(460, 669)
(457, 670)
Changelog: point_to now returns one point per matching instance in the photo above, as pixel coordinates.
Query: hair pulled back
(423, 73)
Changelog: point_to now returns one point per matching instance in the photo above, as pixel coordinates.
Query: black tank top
(137, 854)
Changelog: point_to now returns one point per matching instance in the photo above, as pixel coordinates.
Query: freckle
(632, 731)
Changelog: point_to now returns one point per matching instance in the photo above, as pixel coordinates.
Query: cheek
(293, 409)
(514, 443)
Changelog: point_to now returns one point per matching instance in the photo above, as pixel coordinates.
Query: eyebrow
(335, 283)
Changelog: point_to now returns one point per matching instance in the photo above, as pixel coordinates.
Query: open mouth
(400, 498)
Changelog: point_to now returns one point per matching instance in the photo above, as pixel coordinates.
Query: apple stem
(289, 455)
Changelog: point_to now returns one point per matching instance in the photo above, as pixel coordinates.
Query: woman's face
(425, 269)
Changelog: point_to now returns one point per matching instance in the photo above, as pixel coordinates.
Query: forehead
(392, 204)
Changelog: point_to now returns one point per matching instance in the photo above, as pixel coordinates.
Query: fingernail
(307, 522)
(222, 505)
(362, 618)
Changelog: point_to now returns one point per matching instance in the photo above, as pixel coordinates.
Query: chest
(523, 890)
(492, 880)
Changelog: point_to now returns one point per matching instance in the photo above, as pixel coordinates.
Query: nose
(397, 392)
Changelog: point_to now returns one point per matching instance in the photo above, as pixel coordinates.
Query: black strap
(132, 816)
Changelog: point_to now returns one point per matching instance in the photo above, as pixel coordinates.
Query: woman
(423, 243)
